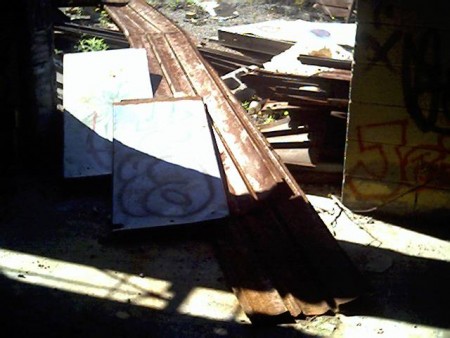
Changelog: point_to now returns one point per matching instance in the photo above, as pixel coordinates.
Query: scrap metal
(112, 38)
(328, 90)
(226, 62)
(277, 254)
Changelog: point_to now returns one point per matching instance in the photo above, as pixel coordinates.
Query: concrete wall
(398, 138)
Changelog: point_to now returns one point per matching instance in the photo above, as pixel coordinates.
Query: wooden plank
(413, 165)
(165, 165)
(92, 82)
(393, 125)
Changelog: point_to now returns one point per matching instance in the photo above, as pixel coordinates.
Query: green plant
(75, 11)
(104, 19)
(246, 105)
(269, 119)
(273, 116)
(175, 4)
(299, 3)
(91, 45)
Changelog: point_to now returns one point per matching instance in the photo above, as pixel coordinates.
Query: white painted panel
(299, 31)
(92, 82)
(166, 168)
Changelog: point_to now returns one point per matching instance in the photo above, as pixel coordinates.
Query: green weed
(91, 45)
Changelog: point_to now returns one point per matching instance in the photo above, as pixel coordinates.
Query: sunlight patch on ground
(85, 280)
(212, 304)
(360, 229)
(117, 286)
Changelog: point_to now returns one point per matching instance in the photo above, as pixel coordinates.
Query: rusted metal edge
(263, 290)
(156, 99)
(266, 164)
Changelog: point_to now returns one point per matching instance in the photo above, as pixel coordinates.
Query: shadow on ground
(401, 287)
(29, 310)
(435, 224)
(70, 221)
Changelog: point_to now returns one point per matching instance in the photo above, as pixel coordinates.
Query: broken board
(276, 36)
(166, 168)
(92, 82)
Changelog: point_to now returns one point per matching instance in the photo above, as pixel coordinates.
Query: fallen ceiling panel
(92, 83)
(165, 165)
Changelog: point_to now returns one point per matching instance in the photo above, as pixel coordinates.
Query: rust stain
(263, 196)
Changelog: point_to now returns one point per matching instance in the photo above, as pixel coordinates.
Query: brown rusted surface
(226, 62)
(331, 88)
(268, 265)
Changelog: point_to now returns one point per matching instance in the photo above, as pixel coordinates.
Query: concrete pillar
(398, 138)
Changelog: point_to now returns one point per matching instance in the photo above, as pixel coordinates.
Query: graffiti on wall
(425, 76)
(424, 70)
(419, 164)
(396, 153)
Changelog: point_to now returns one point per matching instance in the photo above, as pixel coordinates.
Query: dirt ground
(205, 26)
(63, 274)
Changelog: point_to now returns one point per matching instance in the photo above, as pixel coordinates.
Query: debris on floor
(276, 36)
(273, 239)
(308, 65)
(289, 62)
(262, 194)
(288, 257)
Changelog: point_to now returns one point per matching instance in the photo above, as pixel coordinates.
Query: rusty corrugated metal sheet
(279, 257)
